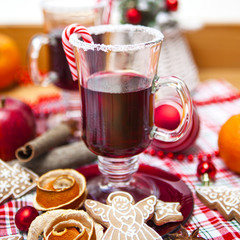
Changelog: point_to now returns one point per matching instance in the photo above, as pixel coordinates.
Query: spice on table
(50, 139)
(53, 150)
(72, 155)
(183, 235)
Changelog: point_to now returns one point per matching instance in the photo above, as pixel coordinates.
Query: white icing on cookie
(167, 212)
(124, 219)
(225, 200)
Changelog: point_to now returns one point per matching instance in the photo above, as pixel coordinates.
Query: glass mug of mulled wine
(57, 15)
(118, 79)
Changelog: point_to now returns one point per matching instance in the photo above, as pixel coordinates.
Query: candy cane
(74, 28)
(107, 10)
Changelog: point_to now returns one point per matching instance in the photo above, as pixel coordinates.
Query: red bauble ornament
(206, 167)
(24, 217)
(172, 5)
(168, 115)
(133, 16)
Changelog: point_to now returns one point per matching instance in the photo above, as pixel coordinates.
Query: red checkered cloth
(216, 101)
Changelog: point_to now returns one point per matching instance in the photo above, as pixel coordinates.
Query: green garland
(148, 9)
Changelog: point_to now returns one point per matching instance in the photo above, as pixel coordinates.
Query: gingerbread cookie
(122, 218)
(15, 181)
(225, 200)
(167, 212)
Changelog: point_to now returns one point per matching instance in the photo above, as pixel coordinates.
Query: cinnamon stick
(72, 155)
(48, 140)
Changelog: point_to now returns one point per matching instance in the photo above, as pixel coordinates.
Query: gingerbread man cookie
(225, 200)
(122, 218)
(167, 212)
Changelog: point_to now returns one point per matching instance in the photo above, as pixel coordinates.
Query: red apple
(17, 126)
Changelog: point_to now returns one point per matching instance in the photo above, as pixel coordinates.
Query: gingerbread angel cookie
(123, 218)
(225, 200)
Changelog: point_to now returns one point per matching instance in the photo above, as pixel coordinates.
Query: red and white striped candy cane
(107, 10)
(73, 28)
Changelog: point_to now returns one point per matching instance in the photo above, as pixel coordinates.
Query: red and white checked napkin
(216, 101)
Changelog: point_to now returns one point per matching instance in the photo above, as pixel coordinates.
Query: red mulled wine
(58, 62)
(117, 114)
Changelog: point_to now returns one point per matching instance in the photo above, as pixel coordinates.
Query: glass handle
(184, 94)
(34, 48)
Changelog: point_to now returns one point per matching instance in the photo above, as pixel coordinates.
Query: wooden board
(216, 46)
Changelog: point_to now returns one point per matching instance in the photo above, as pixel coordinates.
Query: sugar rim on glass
(71, 5)
(157, 37)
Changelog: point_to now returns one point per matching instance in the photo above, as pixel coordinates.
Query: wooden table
(216, 51)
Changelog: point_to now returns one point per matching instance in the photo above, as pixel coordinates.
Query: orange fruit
(229, 143)
(9, 61)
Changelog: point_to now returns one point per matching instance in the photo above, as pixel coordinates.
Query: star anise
(183, 235)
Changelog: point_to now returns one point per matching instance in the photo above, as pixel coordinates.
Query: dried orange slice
(68, 233)
(65, 225)
(61, 188)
